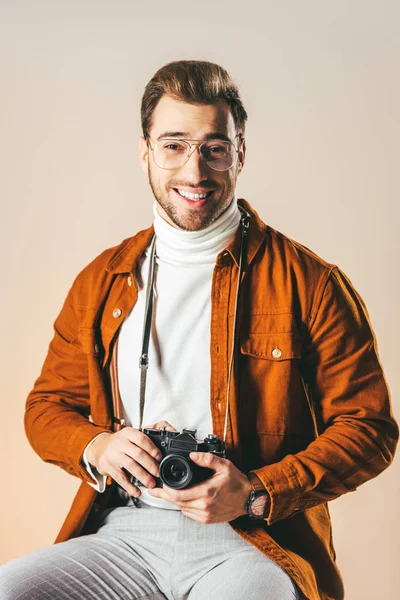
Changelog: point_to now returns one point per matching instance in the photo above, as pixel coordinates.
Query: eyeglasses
(173, 153)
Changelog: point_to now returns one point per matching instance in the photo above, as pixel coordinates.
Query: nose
(195, 167)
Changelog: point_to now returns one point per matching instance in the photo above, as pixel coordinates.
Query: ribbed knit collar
(180, 247)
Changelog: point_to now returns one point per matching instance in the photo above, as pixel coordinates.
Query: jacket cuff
(100, 480)
(281, 482)
(78, 442)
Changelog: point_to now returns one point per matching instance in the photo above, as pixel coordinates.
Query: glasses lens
(170, 154)
(218, 155)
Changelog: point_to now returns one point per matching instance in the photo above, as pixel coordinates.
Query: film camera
(176, 469)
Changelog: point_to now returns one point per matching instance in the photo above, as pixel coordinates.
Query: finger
(136, 470)
(160, 424)
(195, 515)
(141, 457)
(160, 493)
(202, 516)
(123, 481)
(196, 497)
(165, 494)
(209, 460)
(201, 490)
(143, 441)
(192, 511)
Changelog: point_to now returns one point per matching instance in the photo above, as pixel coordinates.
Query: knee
(12, 585)
(20, 580)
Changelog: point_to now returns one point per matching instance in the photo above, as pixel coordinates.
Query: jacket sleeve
(357, 434)
(100, 480)
(57, 409)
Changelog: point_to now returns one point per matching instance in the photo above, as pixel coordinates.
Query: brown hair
(195, 82)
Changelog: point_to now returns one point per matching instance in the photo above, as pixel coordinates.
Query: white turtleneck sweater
(178, 376)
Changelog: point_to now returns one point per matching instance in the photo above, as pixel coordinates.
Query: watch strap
(258, 490)
(256, 482)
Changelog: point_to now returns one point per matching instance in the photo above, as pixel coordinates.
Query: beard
(192, 219)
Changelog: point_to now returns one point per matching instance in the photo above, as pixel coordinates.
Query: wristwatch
(259, 502)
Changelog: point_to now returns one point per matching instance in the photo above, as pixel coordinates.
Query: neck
(195, 247)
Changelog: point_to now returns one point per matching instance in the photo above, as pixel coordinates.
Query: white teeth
(191, 196)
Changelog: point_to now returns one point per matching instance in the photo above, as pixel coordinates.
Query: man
(251, 337)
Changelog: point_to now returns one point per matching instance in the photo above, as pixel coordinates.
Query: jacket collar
(128, 253)
(256, 234)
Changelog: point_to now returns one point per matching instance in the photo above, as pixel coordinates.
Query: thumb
(206, 459)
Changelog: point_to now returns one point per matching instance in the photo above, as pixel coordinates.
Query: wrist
(259, 502)
(95, 447)
(246, 492)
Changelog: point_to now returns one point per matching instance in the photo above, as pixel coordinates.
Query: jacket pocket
(271, 346)
(273, 399)
(87, 341)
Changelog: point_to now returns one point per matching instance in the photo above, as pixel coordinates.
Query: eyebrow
(184, 134)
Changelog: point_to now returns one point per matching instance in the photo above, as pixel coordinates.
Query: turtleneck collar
(180, 247)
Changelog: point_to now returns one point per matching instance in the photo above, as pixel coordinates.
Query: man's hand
(219, 499)
(128, 449)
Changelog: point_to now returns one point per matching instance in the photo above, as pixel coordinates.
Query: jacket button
(96, 348)
(117, 312)
(276, 353)
(129, 280)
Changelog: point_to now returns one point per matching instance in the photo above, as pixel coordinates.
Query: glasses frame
(199, 144)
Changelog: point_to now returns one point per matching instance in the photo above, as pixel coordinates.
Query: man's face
(195, 122)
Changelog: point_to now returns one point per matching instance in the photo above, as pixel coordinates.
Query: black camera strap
(148, 312)
(144, 357)
(245, 224)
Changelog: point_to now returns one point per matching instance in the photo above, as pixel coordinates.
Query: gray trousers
(148, 553)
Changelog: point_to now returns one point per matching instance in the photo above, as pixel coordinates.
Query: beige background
(320, 81)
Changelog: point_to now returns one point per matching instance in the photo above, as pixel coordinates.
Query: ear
(143, 154)
(241, 156)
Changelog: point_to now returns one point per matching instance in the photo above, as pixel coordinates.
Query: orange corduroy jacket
(310, 410)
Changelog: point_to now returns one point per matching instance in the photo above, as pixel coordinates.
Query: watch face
(258, 505)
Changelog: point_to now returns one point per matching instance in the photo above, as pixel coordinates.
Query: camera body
(177, 471)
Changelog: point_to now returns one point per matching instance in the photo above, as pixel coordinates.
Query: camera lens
(176, 471)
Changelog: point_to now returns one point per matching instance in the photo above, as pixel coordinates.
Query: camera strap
(144, 357)
(245, 224)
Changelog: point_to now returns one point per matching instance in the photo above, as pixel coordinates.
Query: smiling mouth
(193, 197)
